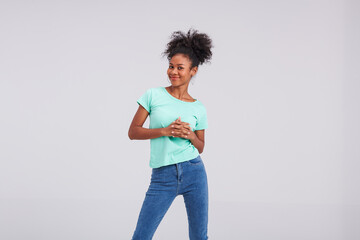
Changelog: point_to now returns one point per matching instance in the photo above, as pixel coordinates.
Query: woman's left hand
(182, 129)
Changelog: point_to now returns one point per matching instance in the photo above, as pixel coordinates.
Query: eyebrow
(178, 64)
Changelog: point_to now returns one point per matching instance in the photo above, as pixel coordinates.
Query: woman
(177, 133)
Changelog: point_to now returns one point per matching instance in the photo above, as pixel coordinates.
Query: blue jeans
(185, 178)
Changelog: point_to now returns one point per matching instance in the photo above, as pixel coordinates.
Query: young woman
(177, 133)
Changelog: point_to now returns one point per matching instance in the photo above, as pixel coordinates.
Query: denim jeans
(187, 178)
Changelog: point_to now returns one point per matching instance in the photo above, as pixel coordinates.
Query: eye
(180, 68)
(170, 66)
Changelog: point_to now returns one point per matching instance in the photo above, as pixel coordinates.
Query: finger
(186, 132)
(179, 127)
(185, 136)
(175, 132)
(177, 124)
(187, 127)
(182, 134)
(186, 124)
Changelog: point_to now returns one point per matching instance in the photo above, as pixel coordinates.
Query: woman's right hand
(178, 129)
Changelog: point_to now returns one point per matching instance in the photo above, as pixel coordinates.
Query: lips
(174, 77)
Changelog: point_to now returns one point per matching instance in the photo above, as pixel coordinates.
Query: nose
(173, 71)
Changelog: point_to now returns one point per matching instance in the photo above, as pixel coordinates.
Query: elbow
(132, 133)
(131, 137)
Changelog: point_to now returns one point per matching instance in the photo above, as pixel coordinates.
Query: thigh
(158, 199)
(196, 200)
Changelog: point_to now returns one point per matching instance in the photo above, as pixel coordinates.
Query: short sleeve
(145, 100)
(202, 122)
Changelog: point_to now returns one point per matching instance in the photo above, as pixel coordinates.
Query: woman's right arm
(136, 130)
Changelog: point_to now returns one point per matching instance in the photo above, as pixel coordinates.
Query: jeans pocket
(196, 161)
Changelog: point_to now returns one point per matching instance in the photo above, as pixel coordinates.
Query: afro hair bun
(197, 46)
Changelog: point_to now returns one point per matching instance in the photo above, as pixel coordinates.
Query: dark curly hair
(197, 46)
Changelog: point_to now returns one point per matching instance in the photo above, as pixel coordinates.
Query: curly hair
(197, 46)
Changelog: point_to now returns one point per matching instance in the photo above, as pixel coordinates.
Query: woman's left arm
(197, 138)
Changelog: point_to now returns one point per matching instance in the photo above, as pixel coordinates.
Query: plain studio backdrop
(282, 96)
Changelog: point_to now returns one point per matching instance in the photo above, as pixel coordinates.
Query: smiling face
(179, 71)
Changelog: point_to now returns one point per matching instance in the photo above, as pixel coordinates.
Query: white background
(281, 152)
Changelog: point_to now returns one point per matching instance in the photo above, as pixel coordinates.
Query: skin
(180, 74)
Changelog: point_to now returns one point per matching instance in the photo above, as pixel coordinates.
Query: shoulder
(157, 89)
(200, 108)
(200, 104)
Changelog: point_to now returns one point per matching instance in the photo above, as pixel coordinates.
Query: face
(179, 71)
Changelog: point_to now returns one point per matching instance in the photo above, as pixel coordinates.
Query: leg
(157, 201)
(196, 202)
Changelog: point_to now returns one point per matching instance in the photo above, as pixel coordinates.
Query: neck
(180, 92)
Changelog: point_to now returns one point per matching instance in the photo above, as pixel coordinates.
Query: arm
(198, 139)
(137, 131)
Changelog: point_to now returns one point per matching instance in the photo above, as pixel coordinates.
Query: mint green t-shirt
(163, 109)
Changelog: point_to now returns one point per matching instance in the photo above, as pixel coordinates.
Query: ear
(194, 70)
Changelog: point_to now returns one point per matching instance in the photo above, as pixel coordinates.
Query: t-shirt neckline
(175, 97)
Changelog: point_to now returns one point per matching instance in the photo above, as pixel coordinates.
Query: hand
(179, 129)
